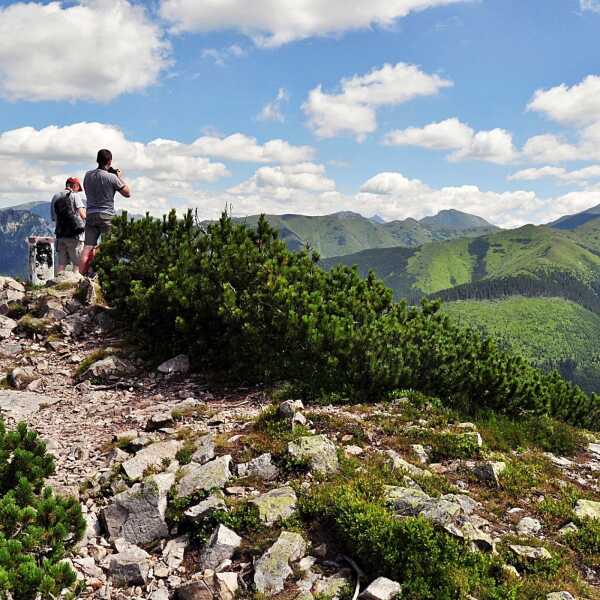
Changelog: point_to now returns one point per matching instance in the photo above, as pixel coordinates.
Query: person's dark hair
(104, 157)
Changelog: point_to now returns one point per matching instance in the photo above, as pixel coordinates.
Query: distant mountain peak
(379, 220)
(451, 218)
(577, 219)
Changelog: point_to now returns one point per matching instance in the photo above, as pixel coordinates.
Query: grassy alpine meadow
(239, 302)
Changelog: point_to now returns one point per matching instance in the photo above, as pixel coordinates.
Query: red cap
(73, 180)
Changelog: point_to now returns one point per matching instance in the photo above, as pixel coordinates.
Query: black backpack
(68, 222)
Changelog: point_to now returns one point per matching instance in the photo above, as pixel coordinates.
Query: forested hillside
(554, 333)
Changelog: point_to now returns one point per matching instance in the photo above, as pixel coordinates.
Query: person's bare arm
(82, 213)
(125, 191)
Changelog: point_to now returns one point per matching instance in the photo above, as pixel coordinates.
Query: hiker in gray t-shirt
(100, 186)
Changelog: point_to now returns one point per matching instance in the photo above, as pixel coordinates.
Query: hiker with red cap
(68, 212)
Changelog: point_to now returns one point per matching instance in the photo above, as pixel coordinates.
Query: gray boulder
(276, 505)
(319, 451)
(261, 467)
(221, 546)
(530, 552)
(138, 514)
(382, 589)
(290, 407)
(111, 367)
(529, 526)
(212, 475)
(177, 364)
(273, 568)
(559, 596)
(587, 509)
(152, 456)
(130, 567)
(490, 472)
(397, 462)
(7, 326)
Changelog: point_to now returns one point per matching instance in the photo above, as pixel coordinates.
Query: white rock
(381, 589)
(529, 526)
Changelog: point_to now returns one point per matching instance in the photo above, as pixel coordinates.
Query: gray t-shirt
(76, 198)
(100, 187)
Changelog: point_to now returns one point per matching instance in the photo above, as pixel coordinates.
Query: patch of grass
(524, 474)
(184, 454)
(89, 360)
(16, 310)
(586, 540)
(32, 325)
(543, 433)
(560, 509)
(335, 423)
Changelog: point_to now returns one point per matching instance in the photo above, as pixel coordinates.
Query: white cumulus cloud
(494, 146)
(273, 111)
(590, 5)
(272, 23)
(353, 110)
(95, 50)
(579, 175)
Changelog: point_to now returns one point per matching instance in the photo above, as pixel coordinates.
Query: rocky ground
(193, 492)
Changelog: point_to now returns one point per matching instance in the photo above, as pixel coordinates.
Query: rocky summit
(194, 490)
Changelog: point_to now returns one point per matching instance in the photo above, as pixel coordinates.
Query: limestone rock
(177, 364)
(214, 502)
(318, 450)
(381, 589)
(587, 509)
(261, 467)
(21, 405)
(420, 453)
(174, 552)
(205, 449)
(490, 472)
(559, 596)
(594, 449)
(7, 326)
(397, 462)
(332, 586)
(130, 567)
(290, 407)
(529, 526)
(406, 501)
(20, 377)
(153, 456)
(530, 552)
(212, 475)
(138, 515)
(159, 421)
(221, 546)
(276, 505)
(111, 367)
(273, 567)
(227, 585)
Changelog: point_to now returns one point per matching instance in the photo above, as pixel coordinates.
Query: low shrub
(36, 526)
(445, 446)
(586, 540)
(239, 302)
(355, 515)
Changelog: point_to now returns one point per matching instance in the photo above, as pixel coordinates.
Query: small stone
(273, 567)
(174, 552)
(212, 475)
(559, 596)
(276, 505)
(567, 529)
(353, 451)
(528, 526)
(420, 453)
(159, 594)
(221, 546)
(227, 585)
(20, 377)
(398, 463)
(261, 467)
(290, 407)
(382, 589)
(195, 590)
(490, 472)
(178, 364)
(110, 367)
(214, 502)
(159, 421)
(530, 552)
(587, 509)
(205, 449)
(332, 586)
(318, 450)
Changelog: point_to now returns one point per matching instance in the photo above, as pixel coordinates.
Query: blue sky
(395, 107)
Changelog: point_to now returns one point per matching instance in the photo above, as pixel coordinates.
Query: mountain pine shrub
(239, 302)
(36, 527)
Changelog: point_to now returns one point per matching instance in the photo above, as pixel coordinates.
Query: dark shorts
(96, 224)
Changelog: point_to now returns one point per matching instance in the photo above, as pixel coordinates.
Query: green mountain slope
(346, 232)
(537, 255)
(552, 332)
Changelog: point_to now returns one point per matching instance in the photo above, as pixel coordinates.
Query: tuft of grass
(447, 445)
(32, 325)
(560, 509)
(524, 474)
